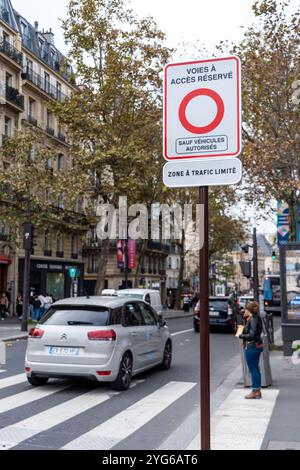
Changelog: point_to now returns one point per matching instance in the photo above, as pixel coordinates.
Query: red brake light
(266, 303)
(102, 335)
(104, 372)
(36, 333)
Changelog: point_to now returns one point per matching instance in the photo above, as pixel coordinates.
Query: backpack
(36, 304)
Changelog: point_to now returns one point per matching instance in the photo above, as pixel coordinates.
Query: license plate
(213, 314)
(64, 351)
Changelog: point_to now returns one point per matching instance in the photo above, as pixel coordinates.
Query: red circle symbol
(204, 129)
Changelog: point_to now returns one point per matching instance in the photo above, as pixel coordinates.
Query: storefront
(52, 277)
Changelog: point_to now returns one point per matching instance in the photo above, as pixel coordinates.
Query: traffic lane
(186, 355)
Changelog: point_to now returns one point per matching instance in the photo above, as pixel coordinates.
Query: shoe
(255, 394)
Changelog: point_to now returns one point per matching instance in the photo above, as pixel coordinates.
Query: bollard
(2, 353)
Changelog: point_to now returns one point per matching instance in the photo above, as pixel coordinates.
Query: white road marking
(1, 371)
(181, 332)
(28, 396)
(111, 432)
(240, 424)
(12, 380)
(13, 435)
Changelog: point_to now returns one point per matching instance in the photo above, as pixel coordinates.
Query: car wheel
(37, 381)
(123, 380)
(167, 359)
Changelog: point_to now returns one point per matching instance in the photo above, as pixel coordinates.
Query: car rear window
(76, 316)
(219, 304)
(134, 296)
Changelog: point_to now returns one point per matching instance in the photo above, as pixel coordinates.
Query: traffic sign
(204, 172)
(202, 109)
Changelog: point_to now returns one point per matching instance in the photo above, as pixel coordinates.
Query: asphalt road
(87, 415)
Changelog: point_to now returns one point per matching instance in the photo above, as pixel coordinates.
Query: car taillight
(36, 333)
(266, 303)
(102, 335)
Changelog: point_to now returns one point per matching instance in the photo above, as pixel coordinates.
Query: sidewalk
(10, 330)
(272, 423)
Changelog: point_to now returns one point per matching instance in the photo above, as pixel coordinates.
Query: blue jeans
(252, 358)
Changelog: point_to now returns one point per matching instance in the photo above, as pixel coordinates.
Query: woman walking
(253, 346)
(3, 306)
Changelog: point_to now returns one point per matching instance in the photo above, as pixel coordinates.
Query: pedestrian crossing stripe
(104, 436)
(119, 427)
(13, 435)
(12, 380)
(28, 396)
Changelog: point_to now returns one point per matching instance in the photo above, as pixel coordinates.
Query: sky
(207, 21)
(194, 22)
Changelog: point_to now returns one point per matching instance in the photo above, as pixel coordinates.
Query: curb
(13, 338)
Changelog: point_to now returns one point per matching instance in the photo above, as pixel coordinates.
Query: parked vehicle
(151, 296)
(107, 339)
(220, 314)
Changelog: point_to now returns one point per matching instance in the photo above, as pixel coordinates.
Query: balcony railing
(32, 120)
(11, 52)
(50, 131)
(61, 137)
(13, 96)
(43, 84)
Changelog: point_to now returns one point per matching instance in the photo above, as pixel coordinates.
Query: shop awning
(4, 260)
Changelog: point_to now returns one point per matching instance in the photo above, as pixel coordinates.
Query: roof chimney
(36, 25)
(49, 36)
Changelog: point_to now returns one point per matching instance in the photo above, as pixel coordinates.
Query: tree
(271, 110)
(114, 117)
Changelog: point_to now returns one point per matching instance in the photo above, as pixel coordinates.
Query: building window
(49, 164)
(29, 65)
(6, 37)
(47, 244)
(49, 118)
(60, 245)
(47, 82)
(24, 28)
(8, 79)
(60, 162)
(58, 90)
(60, 202)
(31, 103)
(32, 153)
(7, 126)
(74, 246)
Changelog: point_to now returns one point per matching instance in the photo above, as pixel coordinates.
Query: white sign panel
(204, 172)
(202, 109)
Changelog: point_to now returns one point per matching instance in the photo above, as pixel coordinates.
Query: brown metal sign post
(190, 162)
(204, 326)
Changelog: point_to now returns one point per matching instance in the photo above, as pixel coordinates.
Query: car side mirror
(161, 321)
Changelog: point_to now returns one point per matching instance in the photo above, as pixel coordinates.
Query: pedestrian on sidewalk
(186, 303)
(19, 306)
(253, 346)
(3, 306)
(41, 310)
(48, 302)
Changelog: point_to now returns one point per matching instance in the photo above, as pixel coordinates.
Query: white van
(150, 296)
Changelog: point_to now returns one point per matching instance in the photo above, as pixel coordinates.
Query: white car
(151, 296)
(107, 339)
